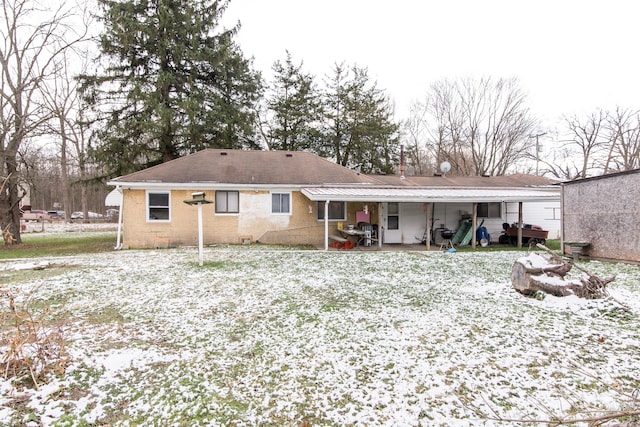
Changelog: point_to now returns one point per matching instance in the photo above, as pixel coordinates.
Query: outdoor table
(356, 236)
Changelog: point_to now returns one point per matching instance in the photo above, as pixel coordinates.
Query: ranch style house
(299, 198)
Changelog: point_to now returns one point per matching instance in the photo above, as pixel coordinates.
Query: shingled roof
(244, 167)
(297, 168)
(516, 180)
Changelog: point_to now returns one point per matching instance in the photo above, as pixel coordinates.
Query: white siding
(413, 221)
(545, 214)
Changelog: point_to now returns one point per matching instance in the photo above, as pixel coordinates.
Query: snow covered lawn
(269, 336)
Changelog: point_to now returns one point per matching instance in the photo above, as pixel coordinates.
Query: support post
(198, 199)
(326, 225)
(120, 209)
(427, 209)
(520, 224)
(380, 217)
(200, 248)
(474, 224)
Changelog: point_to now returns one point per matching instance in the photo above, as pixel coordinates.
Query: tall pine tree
(171, 82)
(295, 107)
(360, 132)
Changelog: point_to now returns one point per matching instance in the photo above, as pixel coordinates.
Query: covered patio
(428, 197)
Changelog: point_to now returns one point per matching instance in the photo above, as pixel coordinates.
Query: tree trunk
(527, 280)
(10, 199)
(64, 174)
(535, 273)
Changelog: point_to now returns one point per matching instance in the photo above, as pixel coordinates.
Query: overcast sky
(569, 55)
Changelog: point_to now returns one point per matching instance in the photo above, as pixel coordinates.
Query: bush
(31, 349)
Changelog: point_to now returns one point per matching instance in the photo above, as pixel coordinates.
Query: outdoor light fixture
(366, 209)
(198, 199)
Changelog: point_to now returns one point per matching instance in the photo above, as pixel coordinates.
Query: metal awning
(440, 194)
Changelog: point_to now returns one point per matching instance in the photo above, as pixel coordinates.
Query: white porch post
(427, 209)
(474, 223)
(380, 217)
(118, 241)
(326, 225)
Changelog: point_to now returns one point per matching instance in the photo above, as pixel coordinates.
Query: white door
(392, 230)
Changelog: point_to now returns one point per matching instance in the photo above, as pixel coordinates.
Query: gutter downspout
(326, 225)
(118, 241)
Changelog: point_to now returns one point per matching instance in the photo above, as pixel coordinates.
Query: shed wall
(604, 212)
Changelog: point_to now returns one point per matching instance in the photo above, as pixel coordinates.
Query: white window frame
(281, 193)
(215, 197)
(395, 214)
(320, 207)
(149, 207)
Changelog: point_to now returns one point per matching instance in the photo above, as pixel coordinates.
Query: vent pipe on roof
(289, 155)
(223, 153)
(402, 162)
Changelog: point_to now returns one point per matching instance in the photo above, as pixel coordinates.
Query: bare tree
(556, 165)
(481, 126)
(419, 159)
(586, 143)
(66, 109)
(623, 128)
(33, 38)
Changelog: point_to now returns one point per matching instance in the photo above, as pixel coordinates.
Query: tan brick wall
(255, 221)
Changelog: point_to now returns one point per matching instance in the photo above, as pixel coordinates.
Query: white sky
(570, 56)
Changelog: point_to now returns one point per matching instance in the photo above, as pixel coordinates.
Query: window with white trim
(337, 211)
(281, 203)
(227, 201)
(490, 210)
(158, 203)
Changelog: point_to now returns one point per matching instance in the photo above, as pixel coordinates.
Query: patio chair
(371, 233)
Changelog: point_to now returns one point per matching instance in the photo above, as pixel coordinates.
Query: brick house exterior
(279, 197)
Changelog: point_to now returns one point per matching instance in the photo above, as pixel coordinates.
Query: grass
(262, 336)
(496, 247)
(42, 245)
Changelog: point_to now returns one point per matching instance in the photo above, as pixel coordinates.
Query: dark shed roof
(595, 178)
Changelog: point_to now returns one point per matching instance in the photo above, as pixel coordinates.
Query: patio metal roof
(422, 195)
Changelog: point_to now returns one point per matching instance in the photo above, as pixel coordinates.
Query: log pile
(535, 273)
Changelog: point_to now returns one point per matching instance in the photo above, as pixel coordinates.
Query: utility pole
(536, 136)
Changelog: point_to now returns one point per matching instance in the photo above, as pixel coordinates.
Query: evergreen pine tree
(360, 133)
(171, 82)
(294, 109)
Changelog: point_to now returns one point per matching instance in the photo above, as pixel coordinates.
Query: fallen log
(535, 273)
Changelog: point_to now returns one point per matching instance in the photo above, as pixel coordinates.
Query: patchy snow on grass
(56, 227)
(268, 336)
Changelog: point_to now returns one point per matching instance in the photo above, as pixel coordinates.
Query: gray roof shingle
(298, 168)
(248, 167)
